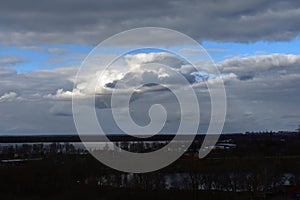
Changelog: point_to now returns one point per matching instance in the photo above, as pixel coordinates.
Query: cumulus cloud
(91, 22)
(8, 97)
(40, 100)
(164, 58)
(260, 63)
(148, 69)
(65, 95)
(267, 87)
(249, 67)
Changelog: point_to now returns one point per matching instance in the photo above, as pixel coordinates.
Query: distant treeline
(262, 166)
(121, 137)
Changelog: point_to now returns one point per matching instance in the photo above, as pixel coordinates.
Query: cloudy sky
(255, 45)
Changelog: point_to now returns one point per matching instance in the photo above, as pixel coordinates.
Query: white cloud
(136, 60)
(65, 95)
(10, 96)
(260, 63)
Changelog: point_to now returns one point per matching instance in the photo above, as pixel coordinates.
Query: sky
(254, 44)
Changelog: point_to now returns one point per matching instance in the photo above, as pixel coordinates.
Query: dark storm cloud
(89, 22)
